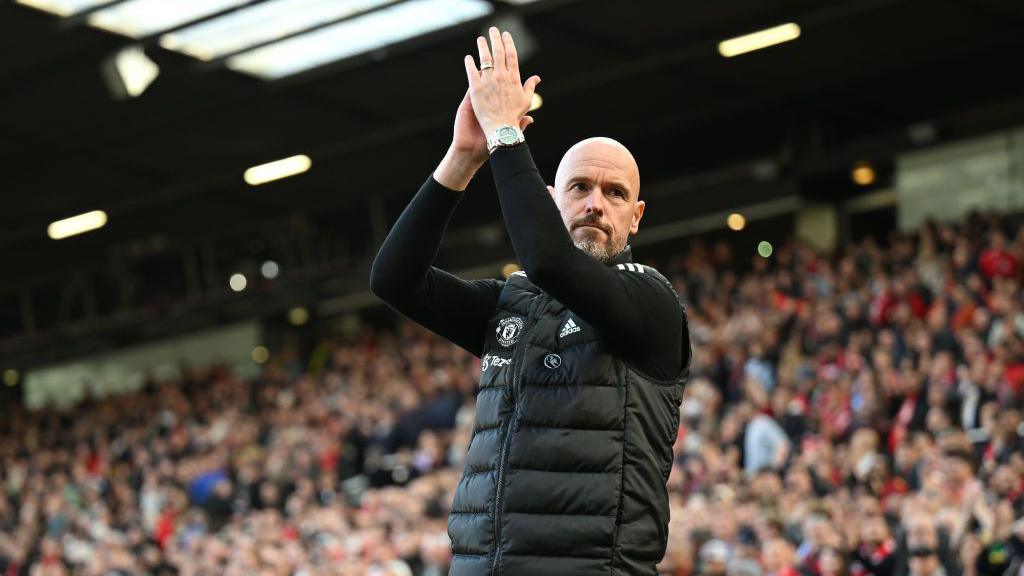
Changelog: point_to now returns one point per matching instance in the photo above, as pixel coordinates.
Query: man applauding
(584, 354)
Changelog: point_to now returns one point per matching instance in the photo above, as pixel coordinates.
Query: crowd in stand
(851, 414)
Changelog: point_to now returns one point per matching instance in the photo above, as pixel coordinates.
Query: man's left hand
(499, 97)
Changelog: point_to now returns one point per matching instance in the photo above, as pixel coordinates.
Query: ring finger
(486, 61)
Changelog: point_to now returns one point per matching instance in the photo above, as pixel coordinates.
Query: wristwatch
(504, 136)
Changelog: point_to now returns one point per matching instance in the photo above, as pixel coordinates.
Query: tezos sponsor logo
(492, 360)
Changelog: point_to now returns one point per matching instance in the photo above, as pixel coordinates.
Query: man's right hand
(468, 151)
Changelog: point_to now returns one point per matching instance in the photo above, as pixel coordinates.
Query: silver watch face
(508, 135)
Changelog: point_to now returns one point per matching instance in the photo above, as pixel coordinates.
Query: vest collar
(625, 256)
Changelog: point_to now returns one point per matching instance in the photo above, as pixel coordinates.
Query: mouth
(591, 226)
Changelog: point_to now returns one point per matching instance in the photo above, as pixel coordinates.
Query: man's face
(922, 545)
(923, 561)
(777, 554)
(597, 193)
(874, 531)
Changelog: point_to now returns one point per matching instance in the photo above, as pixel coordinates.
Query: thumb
(524, 122)
(467, 102)
(531, 85)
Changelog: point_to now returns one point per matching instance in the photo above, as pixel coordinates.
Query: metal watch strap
(494, 140)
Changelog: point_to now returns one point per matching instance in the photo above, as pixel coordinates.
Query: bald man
(583, 354)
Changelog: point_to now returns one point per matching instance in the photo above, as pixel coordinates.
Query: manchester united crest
(509, 329)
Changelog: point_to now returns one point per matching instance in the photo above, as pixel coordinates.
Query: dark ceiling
(167, 166)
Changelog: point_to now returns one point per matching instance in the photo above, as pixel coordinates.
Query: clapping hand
(495, 98)
(498, 95)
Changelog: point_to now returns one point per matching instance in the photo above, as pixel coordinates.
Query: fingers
(511, 56)
(486, 60)
(498, 49)
(472, 74)
(531, 86)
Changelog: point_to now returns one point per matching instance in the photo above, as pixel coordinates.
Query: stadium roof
(166, 167)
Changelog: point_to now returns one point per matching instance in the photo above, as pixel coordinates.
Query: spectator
(860, 409)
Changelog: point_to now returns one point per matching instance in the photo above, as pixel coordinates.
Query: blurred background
(196, 379)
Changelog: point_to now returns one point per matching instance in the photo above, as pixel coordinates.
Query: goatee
(603, 253)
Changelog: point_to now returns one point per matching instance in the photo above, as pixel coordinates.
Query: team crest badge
(509, 329)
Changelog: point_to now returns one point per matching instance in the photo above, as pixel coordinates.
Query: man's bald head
(597, 190)
(601, 149)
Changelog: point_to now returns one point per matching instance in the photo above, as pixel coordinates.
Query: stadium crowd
(853, 414)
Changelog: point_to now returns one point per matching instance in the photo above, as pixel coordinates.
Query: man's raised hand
(498, 96)
(469, 139)
(505, 102)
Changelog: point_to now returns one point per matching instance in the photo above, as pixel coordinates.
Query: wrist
(491, 125)
(457, 168)
(504, 136)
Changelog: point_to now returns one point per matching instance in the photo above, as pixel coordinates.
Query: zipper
(511, 425)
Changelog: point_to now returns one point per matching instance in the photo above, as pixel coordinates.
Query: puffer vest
(571, 450)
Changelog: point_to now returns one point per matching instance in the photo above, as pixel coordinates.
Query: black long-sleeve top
(637, 313)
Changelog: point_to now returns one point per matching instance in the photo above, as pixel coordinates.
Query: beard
(603, 252)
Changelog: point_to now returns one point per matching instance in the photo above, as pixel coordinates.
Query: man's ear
(638, 213)
(551, 190)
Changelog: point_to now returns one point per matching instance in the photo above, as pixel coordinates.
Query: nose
(595, 201)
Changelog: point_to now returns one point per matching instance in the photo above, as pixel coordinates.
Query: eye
(577, 186)
(619, 193)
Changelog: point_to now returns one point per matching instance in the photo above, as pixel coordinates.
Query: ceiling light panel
(356, 36)
(77, 224)
(758, 40)
(260, 24)
(62, 7)
(138, 18)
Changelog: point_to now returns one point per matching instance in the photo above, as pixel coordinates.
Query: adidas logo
(570, 327)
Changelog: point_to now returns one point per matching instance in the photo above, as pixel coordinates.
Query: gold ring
(486, 65)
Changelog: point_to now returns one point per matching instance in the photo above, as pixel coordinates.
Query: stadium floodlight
(509, 269)
(277, 169)
(260, 354)
(128, 72)
(355, 36)
(270, 269)
(63, 7)
(758, 40)
(298, 316)
(139, 18)
(260, 24)
(863, 173)
(77, 224)
(237, 282)
(11, 377)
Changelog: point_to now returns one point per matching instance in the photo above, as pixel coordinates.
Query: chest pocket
(572, 353)
(572, 380)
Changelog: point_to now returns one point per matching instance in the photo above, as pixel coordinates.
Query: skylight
(62, 7)
(262, 23)
(356, 36)
(138, 18)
